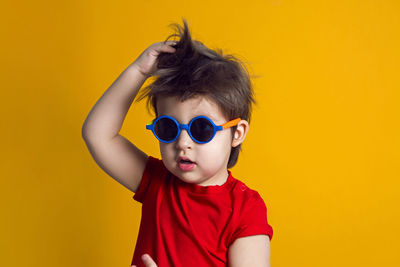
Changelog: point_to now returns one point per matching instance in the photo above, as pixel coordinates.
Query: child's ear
(240, 133)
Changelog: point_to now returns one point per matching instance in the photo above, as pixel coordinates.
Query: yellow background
(323, 147)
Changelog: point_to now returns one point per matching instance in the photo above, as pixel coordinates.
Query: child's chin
(188, 180)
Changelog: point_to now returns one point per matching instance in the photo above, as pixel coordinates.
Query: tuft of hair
(195, 70)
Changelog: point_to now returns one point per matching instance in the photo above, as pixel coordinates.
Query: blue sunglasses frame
(186, 127)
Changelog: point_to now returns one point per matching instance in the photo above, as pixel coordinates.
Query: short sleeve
(152, 169)
(253, 220)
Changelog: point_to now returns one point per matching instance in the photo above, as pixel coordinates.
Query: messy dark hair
(195, 70)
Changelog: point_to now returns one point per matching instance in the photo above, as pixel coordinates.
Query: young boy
(194, 212)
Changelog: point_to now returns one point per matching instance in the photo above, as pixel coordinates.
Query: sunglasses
(201, 128)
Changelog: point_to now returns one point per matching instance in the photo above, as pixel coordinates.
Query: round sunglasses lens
(202, 129)
(166, 129)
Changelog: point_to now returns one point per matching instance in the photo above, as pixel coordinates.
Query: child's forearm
(106, 117)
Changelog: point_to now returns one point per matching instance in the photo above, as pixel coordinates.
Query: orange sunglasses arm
(230, 123)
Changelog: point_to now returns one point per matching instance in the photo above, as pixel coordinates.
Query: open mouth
(183, 161)
(186, 164)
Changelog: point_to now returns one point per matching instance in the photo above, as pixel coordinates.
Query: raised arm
(117, 156)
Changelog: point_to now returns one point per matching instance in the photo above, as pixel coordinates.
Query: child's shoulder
(244, 191)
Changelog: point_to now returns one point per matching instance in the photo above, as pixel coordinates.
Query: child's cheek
(167, 155)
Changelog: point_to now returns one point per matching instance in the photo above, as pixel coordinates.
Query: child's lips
(184, 159)
(186, 166)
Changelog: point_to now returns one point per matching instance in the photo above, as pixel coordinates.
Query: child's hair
(195, 70)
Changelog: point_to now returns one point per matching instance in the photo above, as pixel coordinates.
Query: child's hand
(146, 63)
(148, 261)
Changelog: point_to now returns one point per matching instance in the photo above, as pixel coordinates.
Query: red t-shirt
(186, 224)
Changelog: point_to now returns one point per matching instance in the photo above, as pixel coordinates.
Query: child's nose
(184, 141)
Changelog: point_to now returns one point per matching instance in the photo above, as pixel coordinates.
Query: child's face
(211, 158)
